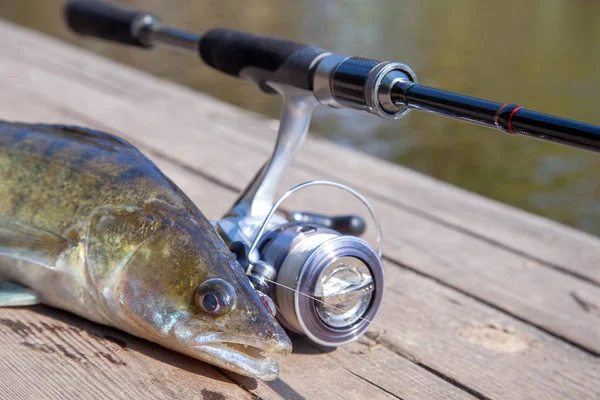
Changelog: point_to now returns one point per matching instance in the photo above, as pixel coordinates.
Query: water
(540, 54)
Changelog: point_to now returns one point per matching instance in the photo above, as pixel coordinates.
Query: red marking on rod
(497, 116)
(512, 114)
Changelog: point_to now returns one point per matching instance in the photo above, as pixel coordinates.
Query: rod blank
(508, 118)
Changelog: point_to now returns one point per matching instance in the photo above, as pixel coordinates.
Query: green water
(540, 54)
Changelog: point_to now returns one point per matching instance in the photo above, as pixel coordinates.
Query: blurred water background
(542, 54)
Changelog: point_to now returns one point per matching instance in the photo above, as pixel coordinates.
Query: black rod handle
(108, 21)
(259, 58)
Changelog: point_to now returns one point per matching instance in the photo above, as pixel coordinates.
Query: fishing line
(334, 307)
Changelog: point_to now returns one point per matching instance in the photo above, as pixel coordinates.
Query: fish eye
(216, 297)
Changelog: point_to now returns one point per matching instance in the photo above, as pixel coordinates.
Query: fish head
(174, 281)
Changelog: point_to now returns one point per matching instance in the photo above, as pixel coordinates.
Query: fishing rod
(381, 88)
(325, 281)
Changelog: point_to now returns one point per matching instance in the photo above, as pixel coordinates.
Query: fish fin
(71, 132)
(30, 243)
(14, 295)
(116, 233)
(92, 135)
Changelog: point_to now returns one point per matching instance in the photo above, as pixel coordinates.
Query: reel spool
(337, 280)
(340, 274)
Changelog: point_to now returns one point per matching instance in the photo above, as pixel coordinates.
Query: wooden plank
(466, 343)
(483, 351)
(307, 364)
(436, 328)
(509, 281)
(543, 240)
(34, 341)
(432, 326)
(47, 353)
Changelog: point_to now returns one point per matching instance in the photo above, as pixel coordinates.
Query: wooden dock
(483, 301)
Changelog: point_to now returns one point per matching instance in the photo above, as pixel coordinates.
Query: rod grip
(259, 58)
(107, 21)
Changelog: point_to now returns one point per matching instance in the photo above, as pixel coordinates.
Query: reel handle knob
(109, 21)
(345, 224)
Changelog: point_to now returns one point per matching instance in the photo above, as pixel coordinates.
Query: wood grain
(481, 350)
(329, 378)
(425, 327)
(47, 353)
(431, 341)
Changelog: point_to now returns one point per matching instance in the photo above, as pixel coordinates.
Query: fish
(90, 225)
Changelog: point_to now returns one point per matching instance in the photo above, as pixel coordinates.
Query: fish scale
(82, 165)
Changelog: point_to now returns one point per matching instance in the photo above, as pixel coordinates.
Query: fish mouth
(244, 355)
(243, 359)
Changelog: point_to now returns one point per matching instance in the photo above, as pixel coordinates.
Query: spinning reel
(325, 281)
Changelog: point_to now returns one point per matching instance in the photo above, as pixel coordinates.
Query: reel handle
(344, 224)
(108, 21)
